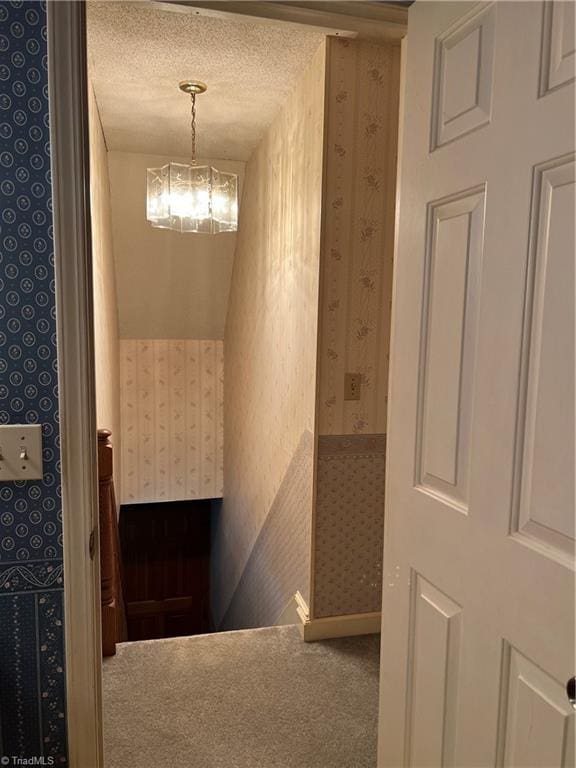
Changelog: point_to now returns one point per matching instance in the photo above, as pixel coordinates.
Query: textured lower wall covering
(171, 396)
(32, 688)
(349, 524)
(279, 563)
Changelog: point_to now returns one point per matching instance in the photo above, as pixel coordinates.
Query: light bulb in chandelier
(192, 198)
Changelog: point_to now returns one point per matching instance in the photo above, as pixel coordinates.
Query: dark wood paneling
(166, 556)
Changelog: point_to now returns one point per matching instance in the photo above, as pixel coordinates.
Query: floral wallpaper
(32, 685)
(171, 397)
(360, 158)
(358, 233)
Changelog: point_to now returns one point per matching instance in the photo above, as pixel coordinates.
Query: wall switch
(20, 452)
(352, 386)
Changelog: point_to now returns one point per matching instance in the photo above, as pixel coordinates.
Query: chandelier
(192, 198)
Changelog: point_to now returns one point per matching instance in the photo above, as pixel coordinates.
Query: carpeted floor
(252, 699)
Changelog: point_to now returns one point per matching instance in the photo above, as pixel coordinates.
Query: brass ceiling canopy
(192, 86)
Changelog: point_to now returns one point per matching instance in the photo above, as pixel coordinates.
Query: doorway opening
(294, 308)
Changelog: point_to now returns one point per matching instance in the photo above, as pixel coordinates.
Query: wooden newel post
(108, 568)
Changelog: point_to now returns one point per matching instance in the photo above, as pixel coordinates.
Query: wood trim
(302, 608)
(140, 608)
(364, 20)
(67, 72)
(289, 614)
(348, 625)
(388, 511)
(112, 603)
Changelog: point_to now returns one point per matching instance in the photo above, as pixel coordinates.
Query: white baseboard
(289, 615)
(328, 627)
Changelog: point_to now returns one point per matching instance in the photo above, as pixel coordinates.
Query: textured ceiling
(138, 54)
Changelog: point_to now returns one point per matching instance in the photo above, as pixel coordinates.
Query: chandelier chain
(193, 126)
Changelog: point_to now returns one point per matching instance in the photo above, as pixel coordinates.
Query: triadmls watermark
(33, 760)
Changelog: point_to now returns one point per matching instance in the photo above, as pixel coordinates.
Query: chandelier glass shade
(192, 198)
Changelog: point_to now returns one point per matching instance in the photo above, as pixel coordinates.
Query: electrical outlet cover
(352, 386)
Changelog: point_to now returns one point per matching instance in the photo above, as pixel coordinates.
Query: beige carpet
(251, 699)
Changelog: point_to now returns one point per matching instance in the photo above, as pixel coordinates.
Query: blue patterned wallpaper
(32, 686)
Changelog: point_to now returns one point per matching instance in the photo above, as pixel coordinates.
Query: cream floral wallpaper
(172, 419)
(358, 232)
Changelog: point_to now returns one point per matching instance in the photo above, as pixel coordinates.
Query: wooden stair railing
(113, 612)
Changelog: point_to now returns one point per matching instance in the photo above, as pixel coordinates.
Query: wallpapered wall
(356, 291)
(171, 394)
(106, 348)
(172, 295)
(32, 689)
(343, 121)
(270, 338)
(279, 561)
(358, 233)
(349, 524)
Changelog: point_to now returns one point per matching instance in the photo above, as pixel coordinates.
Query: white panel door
(478, 602)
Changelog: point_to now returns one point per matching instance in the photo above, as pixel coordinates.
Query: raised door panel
(453, 260)
(558, 46)
(463, 76)
(166, 552)
(545, 510)
(435, 639)
(473, 358)
(537, 728)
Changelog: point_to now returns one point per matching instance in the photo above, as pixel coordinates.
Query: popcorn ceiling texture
(139, 54)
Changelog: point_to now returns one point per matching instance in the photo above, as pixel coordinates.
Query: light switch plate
(352, 386)
(20, 452)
